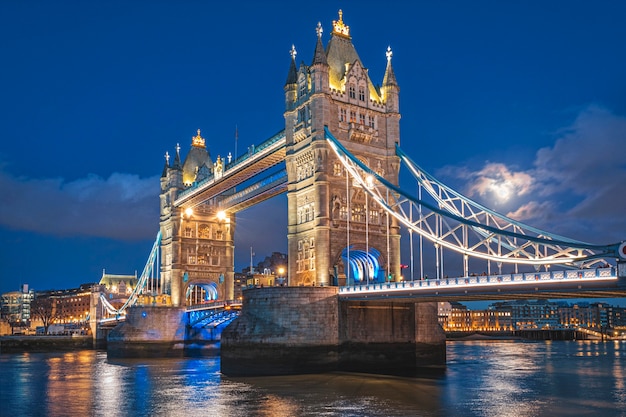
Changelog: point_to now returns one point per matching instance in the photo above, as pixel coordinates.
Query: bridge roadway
(585, 283)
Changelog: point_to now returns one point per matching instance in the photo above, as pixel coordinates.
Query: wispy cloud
(576, 186)
(122, 206)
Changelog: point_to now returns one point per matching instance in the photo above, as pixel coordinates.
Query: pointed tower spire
(177, 163)
(291, 85)
(167, 164)
(319, 57)
(390, 77)
(292, 75)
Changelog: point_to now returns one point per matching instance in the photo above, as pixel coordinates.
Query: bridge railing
(213, 305)
(484, 280)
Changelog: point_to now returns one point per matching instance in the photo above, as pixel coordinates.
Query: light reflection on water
(483, 378)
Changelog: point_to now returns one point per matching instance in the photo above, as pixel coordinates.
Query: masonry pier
(298, 330)
(149, 331)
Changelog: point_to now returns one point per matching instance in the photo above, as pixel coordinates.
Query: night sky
(519, 105)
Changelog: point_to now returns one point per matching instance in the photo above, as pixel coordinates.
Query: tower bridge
(338, 159)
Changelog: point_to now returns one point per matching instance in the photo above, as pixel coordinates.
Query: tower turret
(390, 89)
(291, 85)
(319, 66)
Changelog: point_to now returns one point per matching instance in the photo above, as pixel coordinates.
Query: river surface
(483, 378)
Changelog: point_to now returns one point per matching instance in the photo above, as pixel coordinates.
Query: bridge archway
(358, 264)
(199, 293)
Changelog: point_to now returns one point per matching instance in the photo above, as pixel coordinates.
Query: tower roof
(339, 52)
(197, 157)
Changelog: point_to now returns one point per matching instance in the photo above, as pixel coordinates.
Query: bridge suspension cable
(456, 222)
(149, 273)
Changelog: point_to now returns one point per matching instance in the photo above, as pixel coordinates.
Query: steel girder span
(450, 220)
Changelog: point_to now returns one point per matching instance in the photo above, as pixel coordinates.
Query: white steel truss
(453, 221)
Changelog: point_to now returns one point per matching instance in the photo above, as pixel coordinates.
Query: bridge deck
(587, 283)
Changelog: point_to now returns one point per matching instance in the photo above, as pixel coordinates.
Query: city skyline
(520, 107)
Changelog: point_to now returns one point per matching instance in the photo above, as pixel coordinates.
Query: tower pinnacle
(339, 28)
(198, 141)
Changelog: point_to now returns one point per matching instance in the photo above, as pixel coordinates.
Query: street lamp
(281, 271)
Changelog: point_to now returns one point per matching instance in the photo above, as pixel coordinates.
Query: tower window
(352, 117)
(361, 93)
(337, 169)
(362, 119)
(352, 91)
(342, 115)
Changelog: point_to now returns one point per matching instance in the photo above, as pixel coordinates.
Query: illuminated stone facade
(197, 244)
(336, 91)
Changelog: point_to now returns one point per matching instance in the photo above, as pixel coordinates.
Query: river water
(483, 378)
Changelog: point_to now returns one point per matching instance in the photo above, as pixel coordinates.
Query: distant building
(240, 283)
(460, 318)
(15, 308)
(531, 314)
(270, 272)
(70, 306)
(119, 284)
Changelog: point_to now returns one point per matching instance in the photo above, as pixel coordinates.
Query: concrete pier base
(283, 330)
(149, 332)
(395, 338)
(297, 330)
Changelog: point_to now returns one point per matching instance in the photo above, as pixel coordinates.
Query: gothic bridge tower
(197, 244)
(336, 235)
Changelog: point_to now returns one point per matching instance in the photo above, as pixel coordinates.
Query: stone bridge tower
(197, 244)
(324, 207)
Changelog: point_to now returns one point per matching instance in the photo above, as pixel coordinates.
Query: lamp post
(281, 271)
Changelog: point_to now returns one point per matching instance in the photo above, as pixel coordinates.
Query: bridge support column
(149, 332)
(386, 337)
(297, 330)
(95, 315)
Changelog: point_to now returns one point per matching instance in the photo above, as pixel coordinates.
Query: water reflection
(483, 378)
(70, 383)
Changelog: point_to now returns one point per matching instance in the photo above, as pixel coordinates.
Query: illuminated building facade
(197, 245)
(323, 205)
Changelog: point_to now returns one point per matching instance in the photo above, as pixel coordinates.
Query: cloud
(575, 187)
(122, 206)
(497, 181)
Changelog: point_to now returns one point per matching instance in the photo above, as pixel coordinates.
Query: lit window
(337, 169)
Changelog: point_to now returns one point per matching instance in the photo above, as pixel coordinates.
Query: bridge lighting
(188, 212)
(370, 181)
(221, 215)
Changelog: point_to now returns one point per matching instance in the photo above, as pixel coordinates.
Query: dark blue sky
(527, 94)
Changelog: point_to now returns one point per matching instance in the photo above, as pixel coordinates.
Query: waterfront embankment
(17, 344)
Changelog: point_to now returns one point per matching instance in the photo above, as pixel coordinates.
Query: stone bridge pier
(297, 330)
